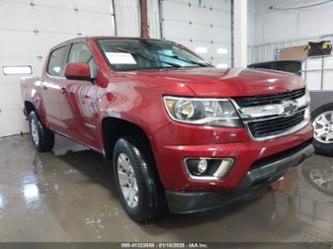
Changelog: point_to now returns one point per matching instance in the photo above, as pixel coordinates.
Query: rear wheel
(42, 138)
(138, 186)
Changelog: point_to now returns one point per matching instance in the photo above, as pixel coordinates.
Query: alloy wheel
(34, 132)
(323, 127)
(127, 180)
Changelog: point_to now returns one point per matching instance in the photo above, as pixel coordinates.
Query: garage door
(27, 36)
(202, 25)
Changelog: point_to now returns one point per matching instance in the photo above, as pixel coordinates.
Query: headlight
(212, 112)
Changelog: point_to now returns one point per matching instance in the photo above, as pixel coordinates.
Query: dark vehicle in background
(317, 72)
(291, 66)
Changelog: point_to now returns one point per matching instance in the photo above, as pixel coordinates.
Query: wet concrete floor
(71, 197)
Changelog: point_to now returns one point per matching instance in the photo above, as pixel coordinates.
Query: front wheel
(42, 138)
(323, 130)
(138, 186)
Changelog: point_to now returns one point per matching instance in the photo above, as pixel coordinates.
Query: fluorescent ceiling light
(201, 50)
(16, 70)
(222, 51)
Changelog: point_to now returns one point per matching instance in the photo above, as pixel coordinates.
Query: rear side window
(55, 65)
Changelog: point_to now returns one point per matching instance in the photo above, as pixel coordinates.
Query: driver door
(78, 101)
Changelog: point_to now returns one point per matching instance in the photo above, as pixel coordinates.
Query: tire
(133, 166)
(42, 138)
(323, 147)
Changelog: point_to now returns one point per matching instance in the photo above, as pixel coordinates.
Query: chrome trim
(209, 178)
(271, 110)
(248, 120)
(301, 107)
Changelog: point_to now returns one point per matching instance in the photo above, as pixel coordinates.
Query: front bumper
(262, 173)
(206, 142)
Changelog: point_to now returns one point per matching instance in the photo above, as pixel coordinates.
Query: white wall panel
(128, 17)
(286, 25)
(275, 29)
(82, 5)
(154, 19)
(318, 73)
(12, 122)
(205, 23)
(28, 29)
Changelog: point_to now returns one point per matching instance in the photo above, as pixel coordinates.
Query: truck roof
(80, 38)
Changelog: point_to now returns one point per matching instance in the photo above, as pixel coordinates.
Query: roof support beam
(144, 19)
(240, 33)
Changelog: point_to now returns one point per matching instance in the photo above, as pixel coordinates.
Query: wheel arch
(113, 128)
(318, 108)
(28, 107)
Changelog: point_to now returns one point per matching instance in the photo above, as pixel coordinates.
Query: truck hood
(213, 82)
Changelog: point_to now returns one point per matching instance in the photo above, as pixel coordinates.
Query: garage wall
(202, 25)
(154, 24)
(274, 29)
(28, 29)
(127, 17)
(250, 28)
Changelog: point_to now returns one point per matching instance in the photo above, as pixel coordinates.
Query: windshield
(131, 54)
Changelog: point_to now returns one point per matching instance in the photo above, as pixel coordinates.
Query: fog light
(202, 166)
(208, 168)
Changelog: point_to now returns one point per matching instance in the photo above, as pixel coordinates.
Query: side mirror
(78, 71)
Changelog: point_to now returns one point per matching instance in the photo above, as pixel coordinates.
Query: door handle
(44, 87)
(63, 90)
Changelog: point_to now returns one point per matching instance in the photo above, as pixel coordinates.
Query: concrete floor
(71, 198)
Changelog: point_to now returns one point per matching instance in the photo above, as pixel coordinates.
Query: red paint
(136, 97)
(77, 70)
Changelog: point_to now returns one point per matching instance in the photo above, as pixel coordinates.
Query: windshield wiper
(185, 60)
(146, 57)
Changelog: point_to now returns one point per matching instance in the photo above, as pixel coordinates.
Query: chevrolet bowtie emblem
(289, 108)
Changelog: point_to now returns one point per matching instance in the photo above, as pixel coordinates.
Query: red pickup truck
(183, 136)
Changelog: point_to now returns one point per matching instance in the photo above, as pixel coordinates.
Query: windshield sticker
(120, 58)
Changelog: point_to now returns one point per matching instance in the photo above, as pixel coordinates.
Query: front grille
(269, 99)
(272, 127)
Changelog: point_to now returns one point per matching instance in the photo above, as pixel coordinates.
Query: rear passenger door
(78, 101)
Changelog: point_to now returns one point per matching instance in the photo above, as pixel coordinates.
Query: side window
(55, 65)
(80, 52)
